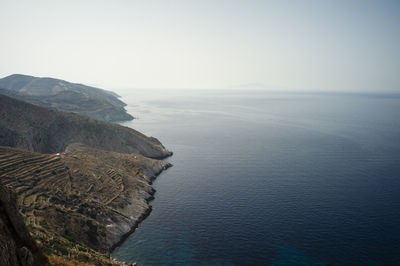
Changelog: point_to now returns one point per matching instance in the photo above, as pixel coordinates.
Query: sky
(342, 45)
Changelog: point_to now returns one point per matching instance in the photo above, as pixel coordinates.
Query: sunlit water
(270, 179)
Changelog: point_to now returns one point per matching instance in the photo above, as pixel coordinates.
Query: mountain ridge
(66, 96)
(38, 129)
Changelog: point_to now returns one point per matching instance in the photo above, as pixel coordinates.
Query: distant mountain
(38, 129)
(65, 96)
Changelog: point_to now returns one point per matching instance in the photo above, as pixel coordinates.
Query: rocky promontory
(72, 187)
(81, 202)
(65, 96)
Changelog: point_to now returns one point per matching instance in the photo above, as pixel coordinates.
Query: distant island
(66, 96)
(72, 187)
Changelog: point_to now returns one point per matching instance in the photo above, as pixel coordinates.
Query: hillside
(42, 130)
(17, 247)
(65, 96)
(82, 202)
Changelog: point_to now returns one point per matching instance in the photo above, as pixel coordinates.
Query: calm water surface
(270, 179)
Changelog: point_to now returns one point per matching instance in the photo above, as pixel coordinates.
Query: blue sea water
(263, 178)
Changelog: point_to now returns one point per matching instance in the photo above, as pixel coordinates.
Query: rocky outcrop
(42, 130)
(16, 245)
(82, 202)
(65, 96)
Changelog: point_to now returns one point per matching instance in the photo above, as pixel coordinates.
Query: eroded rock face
(16, 245)
(38, 129)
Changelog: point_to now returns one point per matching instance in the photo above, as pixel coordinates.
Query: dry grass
(61, 261)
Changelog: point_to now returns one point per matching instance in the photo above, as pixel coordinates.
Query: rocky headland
(80, 185)
(65, 96)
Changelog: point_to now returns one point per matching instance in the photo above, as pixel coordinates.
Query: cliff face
(16, 245)
(83, 201)
(65, 96)
(42, 130)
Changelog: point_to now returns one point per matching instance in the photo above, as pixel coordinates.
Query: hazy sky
(307, 45)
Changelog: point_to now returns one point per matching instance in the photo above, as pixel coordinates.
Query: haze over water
(259, 178)
(263, 178)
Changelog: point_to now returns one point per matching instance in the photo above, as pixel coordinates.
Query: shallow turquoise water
(270, 179)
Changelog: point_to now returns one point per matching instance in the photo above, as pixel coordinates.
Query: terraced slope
(38, 129)
(82, 201)
(16, 245)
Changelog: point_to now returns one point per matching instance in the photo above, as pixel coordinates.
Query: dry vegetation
(78, 204)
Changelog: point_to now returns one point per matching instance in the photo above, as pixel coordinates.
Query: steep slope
(65, 96)
(16, 245)
(42, 130)
(83, 201)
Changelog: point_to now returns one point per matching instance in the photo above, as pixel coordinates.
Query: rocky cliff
(16, 245)
(42, 130)
(65, 96)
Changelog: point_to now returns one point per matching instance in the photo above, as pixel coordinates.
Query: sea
(270, 178)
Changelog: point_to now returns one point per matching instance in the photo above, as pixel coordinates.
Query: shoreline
(142, 217)
(97, 177)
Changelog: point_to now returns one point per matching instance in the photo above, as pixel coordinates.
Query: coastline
(144, 214)
(99, 221)
(90, 187)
